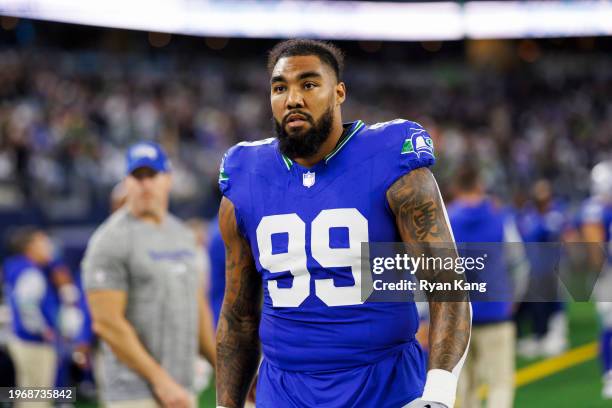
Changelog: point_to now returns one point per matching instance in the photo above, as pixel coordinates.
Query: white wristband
(441, 386)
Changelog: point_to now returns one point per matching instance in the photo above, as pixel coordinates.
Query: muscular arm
(238, 347)
(421, 219)
(109, 323)
(594, 233)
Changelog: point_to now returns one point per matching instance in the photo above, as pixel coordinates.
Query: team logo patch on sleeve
(417, 143)
(407, 147)
(222, 174)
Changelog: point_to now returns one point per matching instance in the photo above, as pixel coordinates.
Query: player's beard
(304, 144)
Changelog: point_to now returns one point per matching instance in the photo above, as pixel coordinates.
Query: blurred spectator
(596, 228)
(475, 218)
(74, 346)
(543, 219)
(30, 295)
(143, 273)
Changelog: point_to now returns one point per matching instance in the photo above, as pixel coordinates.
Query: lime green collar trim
(288, 162)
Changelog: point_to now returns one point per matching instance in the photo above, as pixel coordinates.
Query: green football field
(575, 386)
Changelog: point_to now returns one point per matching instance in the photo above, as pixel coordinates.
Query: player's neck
(32, 258)
(470, 197)
(154, 218)
(326, 148)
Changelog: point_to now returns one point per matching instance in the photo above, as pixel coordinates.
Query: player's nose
(295, 99)
(146, 183)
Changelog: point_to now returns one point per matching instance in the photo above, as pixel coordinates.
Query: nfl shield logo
(308, 179)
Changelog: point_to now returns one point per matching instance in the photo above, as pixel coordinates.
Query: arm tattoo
(421, 221)
(238, 347)
(425, 220)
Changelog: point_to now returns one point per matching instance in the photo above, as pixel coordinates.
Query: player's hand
(71, 320)
(171, 394)
(49, 335)
(81, 356)
(419, 403)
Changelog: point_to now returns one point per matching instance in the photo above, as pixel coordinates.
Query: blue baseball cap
(147, 154)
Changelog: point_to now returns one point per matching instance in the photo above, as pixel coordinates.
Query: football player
(476, 217)
(596, 221)
(295, 211)
(544, 220)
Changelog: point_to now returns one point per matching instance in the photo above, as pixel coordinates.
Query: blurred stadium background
(523, 90)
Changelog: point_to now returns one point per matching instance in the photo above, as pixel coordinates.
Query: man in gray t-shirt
(143, 275)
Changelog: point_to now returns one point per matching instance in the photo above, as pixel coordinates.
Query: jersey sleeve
(233, 182)
(28, 293)
(592, 212)
(104, 265)
(408, 146)
(417, 148)
(229, 172)
(224, 181)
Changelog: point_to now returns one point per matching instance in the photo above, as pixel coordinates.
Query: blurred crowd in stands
(66, 117)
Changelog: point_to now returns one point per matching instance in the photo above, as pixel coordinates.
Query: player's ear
(340, 93)
(169, 181)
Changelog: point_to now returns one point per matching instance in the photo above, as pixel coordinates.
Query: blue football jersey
(483, 222)
(34, 305)
(543, 227)
(598, 211)
(305, 227)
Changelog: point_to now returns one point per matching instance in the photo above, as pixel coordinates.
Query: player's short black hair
(20, 238)
(327, 52)
(467, 177)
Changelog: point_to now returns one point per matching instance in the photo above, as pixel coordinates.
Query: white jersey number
(295, 261)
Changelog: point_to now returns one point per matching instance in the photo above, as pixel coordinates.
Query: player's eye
(278, 88)
(309, 85)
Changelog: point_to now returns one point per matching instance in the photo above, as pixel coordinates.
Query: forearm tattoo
(238, 346)
(421, 221)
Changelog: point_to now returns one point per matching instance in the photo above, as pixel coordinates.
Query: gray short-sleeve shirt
(160, 269)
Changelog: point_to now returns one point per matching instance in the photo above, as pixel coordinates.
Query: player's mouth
(295, 121)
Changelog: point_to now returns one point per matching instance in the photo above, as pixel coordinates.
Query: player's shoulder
(244, 152)
(592, 204)
(592, 209)
(399, 135)
(391, 125)
(178, 226)
(399, 145)
(114, 229)
(245, 158)
(395, 127)
(14, 263)
(500, 207)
